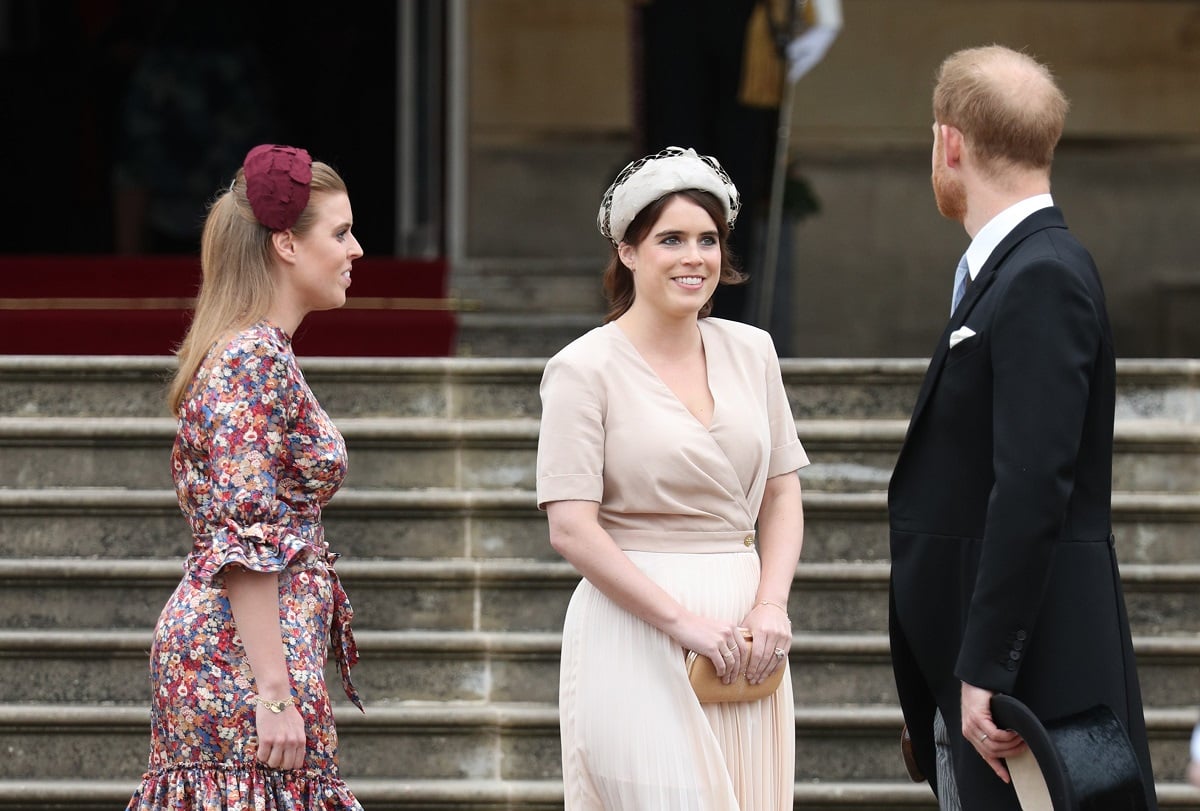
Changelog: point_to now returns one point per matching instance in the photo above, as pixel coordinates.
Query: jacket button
(1011, 666)
(1021, 635)
(1018, 645)
(1014, 655)
(749, 540)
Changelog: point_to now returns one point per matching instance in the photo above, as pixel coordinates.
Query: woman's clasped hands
(771, 631)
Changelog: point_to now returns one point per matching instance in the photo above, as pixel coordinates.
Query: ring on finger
(984, 738)
(780, 653)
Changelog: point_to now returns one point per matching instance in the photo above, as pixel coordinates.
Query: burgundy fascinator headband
(277, 184)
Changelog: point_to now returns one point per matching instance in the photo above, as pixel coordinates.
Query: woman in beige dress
(667, 467)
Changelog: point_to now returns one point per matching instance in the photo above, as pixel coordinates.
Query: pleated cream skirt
(633, 734)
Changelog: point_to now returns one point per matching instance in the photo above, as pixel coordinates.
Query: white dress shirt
(999, 227)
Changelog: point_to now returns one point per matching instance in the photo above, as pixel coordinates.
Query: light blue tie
(961, 278)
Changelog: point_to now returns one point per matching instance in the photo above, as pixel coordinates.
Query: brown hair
(236, 286)
(618, 279)
(1006, 104)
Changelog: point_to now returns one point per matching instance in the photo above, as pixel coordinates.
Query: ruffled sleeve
(248, 406)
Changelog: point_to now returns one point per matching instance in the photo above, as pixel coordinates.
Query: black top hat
(1085, 760)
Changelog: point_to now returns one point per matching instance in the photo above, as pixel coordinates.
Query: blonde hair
(1006, 104)
(236, 287)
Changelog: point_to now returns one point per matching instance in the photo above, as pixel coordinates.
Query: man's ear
(285, 245)
(953, 144)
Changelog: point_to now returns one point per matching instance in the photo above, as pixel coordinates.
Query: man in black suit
(1004, 575)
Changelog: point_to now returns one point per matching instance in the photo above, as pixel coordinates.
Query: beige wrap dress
(681, 500)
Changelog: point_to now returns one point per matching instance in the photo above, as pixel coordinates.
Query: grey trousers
(947, 792)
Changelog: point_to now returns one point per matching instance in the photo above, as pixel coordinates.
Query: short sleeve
(570, 455)
(247, 403)
(787, 454)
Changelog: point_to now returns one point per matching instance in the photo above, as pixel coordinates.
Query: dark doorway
(94, 106)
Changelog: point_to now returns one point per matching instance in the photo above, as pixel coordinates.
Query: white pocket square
(959, 335)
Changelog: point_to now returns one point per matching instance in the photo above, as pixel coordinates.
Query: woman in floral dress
(241, 716)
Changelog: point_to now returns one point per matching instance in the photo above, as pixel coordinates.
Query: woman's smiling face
(677, 266)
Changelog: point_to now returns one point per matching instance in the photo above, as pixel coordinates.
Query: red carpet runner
(110, 305)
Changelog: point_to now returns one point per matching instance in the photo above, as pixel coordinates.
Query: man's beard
(950, 196)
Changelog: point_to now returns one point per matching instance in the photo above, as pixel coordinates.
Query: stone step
(511, 795)
(500, 388)
(457, 741)
(439, 522)
(398, 453)
(462, 594)
(126, 386)
(538, 289)
(421, 452)
(378, 795)
(520, 335)
(103, 665)
(94, 665)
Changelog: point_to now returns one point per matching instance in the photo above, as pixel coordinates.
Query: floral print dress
(254, 461)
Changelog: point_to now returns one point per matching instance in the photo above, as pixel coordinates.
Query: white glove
(806, 50)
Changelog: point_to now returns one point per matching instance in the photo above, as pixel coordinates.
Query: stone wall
(552, 113)
(541, 68)
(873, 271)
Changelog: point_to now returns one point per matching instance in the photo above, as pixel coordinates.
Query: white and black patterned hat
(646, 179)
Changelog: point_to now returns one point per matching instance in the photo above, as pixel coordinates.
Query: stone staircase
(459, 597)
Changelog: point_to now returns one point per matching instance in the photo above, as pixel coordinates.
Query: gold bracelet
(777, 605)
(274, 706)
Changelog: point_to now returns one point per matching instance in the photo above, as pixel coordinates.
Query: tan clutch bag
(711, 690)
